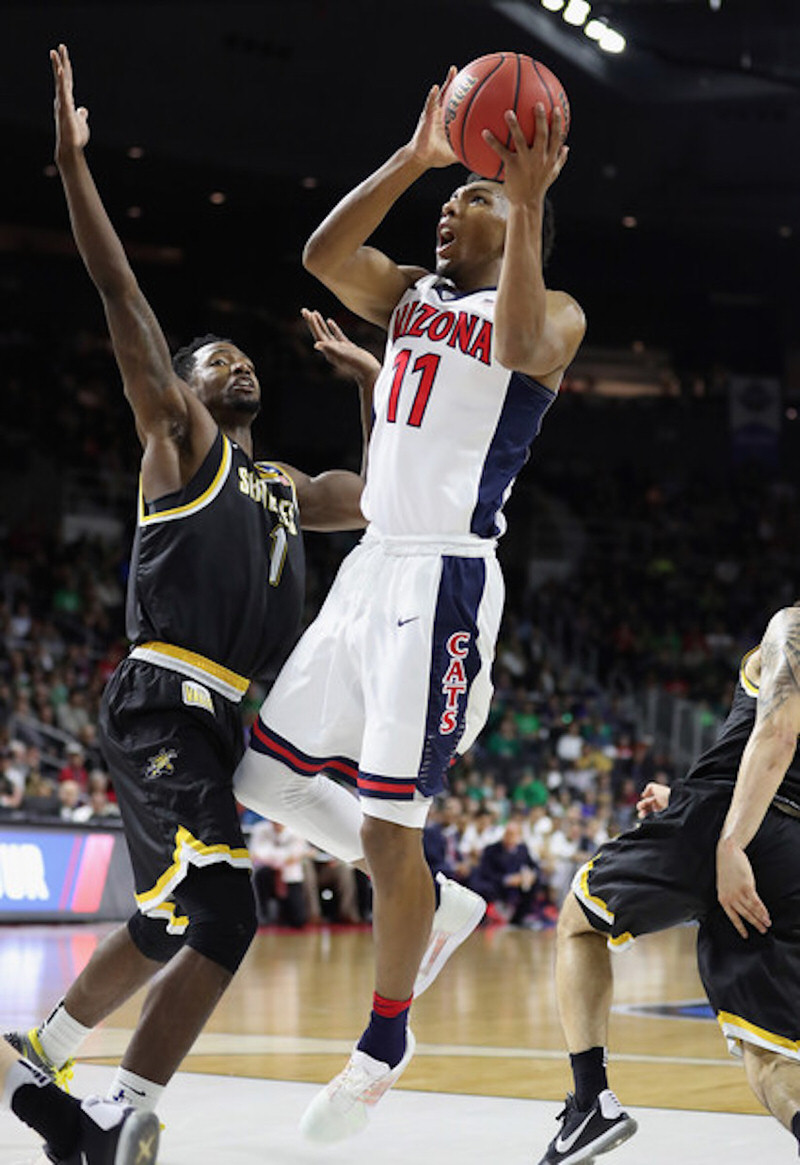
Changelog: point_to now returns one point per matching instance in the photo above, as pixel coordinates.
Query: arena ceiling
(693, 133)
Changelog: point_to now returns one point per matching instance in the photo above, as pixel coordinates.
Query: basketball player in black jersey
(215, 599)
(724, 850)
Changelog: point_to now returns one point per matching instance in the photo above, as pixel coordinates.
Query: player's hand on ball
(346, 358)
(72, 125)
(530, 170)
(429, 144)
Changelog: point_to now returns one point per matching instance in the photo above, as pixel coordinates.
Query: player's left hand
(736, 890)
(530, 171)
(347, 359)
(653, 799)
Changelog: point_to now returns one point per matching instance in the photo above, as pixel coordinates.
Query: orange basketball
(479, 95)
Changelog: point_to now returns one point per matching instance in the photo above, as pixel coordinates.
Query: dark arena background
(652, 534)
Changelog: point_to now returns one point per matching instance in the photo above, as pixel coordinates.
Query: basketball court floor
(485, 1085)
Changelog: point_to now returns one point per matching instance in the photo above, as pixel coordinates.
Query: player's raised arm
(363, 278)
(766, 757)
(536, 331)
(162, 407)
(331, 501)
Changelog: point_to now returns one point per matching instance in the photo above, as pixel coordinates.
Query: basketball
(478, 96)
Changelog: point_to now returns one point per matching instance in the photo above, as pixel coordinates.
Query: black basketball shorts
(172, 745)
(663, 873)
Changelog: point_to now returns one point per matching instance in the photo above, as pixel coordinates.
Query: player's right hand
(72, 125)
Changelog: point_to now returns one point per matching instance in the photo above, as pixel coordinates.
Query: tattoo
(780, 663)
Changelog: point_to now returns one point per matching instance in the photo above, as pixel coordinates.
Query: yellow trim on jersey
(199, 503)
(189, 852)
(228, 683)
(580, 888)
(748, 685)
(274, 473)
(764, 1038)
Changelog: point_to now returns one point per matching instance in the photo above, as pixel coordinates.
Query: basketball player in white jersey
(392, 681)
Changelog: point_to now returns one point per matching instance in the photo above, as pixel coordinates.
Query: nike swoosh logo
(402, 622)
(564, 1144)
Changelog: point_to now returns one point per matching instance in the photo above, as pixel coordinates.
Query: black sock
(39, 1103)
(796, 1128)
(589, 1072)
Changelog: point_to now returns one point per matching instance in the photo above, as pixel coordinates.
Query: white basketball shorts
(393, 678)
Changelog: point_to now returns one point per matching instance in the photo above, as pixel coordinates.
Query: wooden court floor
(488, 1027)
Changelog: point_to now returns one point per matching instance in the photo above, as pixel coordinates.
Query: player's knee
(268, 786)
(389, 845)
(152, 939)
(220, 905)
(572, 921)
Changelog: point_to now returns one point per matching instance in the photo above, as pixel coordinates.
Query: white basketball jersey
(452, 426)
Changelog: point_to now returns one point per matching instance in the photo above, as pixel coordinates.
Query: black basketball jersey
(218, 569)
(721, 761)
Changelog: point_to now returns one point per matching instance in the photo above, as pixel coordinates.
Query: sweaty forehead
(484, 185)
(218, 348)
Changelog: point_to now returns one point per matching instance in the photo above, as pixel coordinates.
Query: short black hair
(183, 360)
(548, 220)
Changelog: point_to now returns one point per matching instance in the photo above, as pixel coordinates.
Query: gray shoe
(29, 1046)
(113, 1135)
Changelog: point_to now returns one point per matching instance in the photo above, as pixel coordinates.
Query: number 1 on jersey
(427, 366)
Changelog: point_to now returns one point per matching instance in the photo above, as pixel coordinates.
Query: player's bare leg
(403, 903)
(583, 979)
(593, 1121)
(175, 1011)
(775, 1080)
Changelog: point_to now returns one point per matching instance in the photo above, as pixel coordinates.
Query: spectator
(506, 877)
(278, 875)
(75, 768)
(70, 801)
(99, 806)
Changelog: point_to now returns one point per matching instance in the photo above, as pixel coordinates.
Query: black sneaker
(583, 1134)
(113, 1135)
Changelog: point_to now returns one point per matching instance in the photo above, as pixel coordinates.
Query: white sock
(60, 1035)
(128, 1088)
(316, 808)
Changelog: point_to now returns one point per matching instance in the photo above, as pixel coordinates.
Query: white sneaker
(459, 912)
(342, 1108)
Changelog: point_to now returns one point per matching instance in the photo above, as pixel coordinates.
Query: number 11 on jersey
(426, 366)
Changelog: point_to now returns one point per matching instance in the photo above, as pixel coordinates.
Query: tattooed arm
(766, 758)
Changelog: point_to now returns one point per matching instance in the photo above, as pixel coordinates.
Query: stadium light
(576, 12)
(595, 29)
(612, 41)
(553, 5)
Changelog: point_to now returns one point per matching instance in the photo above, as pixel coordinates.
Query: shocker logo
(454, 683)
(160, 764)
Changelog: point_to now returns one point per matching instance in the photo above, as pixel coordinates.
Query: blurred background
(655, 528)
